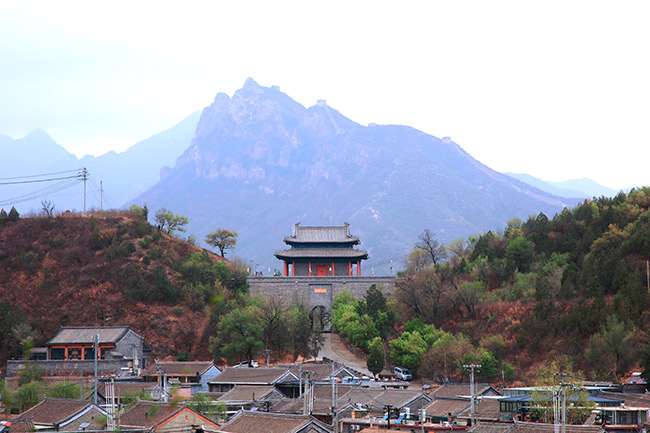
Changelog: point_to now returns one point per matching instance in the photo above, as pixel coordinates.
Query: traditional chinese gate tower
(322, 252)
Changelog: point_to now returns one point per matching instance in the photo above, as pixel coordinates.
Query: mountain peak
(39, 134)
(250, 83)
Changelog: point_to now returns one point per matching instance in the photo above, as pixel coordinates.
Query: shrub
(146, 241)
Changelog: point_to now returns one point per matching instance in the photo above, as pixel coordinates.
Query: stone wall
(315, 291)
(70, 368)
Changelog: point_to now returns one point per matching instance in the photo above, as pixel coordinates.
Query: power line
(38, 180)
(40, 192)
(38, 175)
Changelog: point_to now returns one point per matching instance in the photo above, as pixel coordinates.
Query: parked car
(251, 364)
(402, 373)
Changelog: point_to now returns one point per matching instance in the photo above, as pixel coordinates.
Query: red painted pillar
(332, 267)
(310, 268)
(358, 268)
(293, 268)
(286, 269)
(350, 268)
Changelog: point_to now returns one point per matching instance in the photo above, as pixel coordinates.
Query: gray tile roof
(178, 368)
(253, 376)
(463, 390)
(86, 334)
(54, 411)
(329, 234)
(343, 253)
(528, 427)
(249, 393)
(254, 422)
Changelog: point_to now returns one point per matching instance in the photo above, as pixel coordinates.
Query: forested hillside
(107, 269)
(117, 269)
(567, 292)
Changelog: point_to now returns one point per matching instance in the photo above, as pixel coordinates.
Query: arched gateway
(321, 263)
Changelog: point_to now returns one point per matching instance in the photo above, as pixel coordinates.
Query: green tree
(299, 331)
(239, 335)
(375, 361)
(222, 239)
(169, 222)
(6, 397)
(201, 403)
(11, 316)
(28, 395)
(519, 254)
(31, 373)
(141, 212)
(68, 390)
(441, 362)
(408, 349)
(610, 352)
(13, 215)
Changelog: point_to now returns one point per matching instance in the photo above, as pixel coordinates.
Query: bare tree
(433, 248)
(47, 208)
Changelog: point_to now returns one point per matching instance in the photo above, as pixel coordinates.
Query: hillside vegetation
(564, 293)
(108, 269)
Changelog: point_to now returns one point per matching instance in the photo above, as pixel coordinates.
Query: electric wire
(38, 180)
(39, 175)
(42, 192)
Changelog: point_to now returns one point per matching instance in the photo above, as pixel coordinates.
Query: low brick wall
(68, 368)
(315, 291)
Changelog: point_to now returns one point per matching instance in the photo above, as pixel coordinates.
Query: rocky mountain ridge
(260, 162)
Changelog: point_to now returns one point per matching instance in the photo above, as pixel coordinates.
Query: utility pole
(84, 177)
(96, 344)
(266, 352)
(387, 408)
(101, 196)
(334, 417)
(563, 385)
(471, 368)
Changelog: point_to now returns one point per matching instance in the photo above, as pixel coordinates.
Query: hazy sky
(556, 89)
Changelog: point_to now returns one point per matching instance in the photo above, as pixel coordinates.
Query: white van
(402, 373)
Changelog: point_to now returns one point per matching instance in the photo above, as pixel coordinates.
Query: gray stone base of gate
(317, 291)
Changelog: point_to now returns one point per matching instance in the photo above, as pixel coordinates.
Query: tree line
(569, 291)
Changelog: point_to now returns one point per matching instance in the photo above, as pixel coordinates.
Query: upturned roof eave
(287, 255)
(353, 240)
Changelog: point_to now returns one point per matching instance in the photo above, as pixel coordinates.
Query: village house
(252, 422)
(282, 379)
(530, 427)
(165, 417)
(71, 352)
(194, 375)
(55, 414)
(247, 397)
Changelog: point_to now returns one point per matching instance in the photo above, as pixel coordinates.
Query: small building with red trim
(71, 352)
(77, 343)
(322, 252)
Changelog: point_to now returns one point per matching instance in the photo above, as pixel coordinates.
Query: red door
(321, 270)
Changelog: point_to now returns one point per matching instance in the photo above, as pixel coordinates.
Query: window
(89, 353)
(57, 353)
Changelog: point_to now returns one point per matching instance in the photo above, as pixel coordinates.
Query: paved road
(334, 349)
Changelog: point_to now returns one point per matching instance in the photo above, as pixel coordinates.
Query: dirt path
(333, 348)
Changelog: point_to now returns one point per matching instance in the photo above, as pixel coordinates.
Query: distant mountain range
(260, 162)
(574, 188)
(123, 175)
